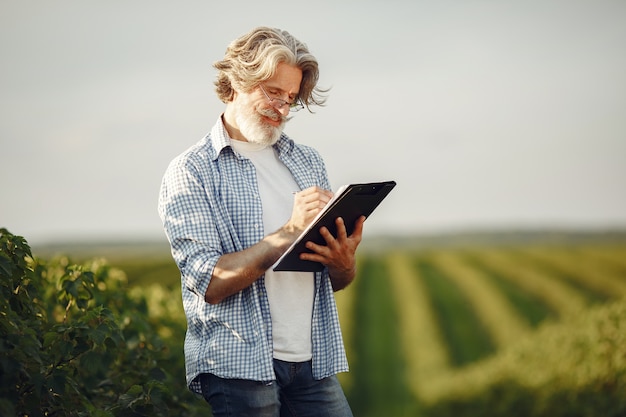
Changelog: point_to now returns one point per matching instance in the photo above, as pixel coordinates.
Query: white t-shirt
(290, 293)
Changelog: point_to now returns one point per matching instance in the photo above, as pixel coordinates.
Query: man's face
(258, 119)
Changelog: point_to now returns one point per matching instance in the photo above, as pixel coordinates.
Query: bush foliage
(567, 369)
(76, 342)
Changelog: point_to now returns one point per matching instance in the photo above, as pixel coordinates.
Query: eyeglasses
(280, 103)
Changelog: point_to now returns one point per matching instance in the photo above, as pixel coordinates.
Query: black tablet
(350, 202)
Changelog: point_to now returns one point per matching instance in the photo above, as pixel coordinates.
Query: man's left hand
(339, 253)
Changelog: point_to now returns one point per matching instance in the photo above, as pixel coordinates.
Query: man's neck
(231, 125)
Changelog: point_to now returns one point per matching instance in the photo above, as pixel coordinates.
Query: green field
(502, 328)
(488, 331)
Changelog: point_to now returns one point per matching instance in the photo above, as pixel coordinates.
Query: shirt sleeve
(189, 224)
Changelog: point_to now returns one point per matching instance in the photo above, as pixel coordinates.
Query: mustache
(273, 115)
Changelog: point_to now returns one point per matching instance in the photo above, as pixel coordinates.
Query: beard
(255, 129)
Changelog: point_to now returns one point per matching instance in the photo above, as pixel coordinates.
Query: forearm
(236, 271)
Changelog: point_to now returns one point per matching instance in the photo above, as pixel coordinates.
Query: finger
(311, 201)
(319, 253)
(316, 193)
(358, 228)
(314, 247)
(342, 233)
(328, 237)
(312, 257)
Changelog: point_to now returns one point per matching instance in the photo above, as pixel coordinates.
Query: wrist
(341, 278)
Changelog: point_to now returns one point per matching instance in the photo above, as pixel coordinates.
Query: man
(259, 342)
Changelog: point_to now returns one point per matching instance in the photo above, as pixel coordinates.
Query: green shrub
(567, 369)
(76, 342)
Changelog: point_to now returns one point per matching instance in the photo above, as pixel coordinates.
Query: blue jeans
(294, 394)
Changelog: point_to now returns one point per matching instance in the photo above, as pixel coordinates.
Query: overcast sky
(507, 114)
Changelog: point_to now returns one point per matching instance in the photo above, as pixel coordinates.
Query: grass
(378, 387)
(532, 308)
(502, 322)
(424, 351)
(148, 271)
(465, 336)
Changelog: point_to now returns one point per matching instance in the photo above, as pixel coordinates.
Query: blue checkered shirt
(209, 204)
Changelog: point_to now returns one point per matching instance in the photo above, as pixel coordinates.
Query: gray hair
(254, 57)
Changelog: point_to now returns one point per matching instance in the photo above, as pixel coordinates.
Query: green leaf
(56, 382)
(49, 339)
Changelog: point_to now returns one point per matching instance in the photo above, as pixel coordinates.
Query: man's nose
(284, 110)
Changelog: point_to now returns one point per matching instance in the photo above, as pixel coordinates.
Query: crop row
(434, 314)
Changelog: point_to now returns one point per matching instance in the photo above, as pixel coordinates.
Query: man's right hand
(306, 205)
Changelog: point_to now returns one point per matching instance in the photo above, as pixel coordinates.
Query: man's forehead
(286, 78)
